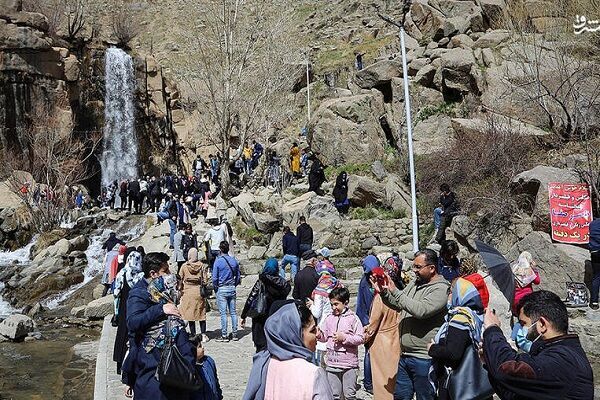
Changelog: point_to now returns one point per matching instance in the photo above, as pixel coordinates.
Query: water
(120, 154)
(95, 257)
(18, 257)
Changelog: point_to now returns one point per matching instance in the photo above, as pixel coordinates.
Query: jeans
(368, 378)
(226, 302)
(595, 277)
(248, 166)
(162, 215)
(413, 378)
(304, 247)
(289, 259)
(437, 217)
(173, 229)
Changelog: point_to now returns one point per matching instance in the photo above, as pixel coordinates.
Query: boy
(207, 369)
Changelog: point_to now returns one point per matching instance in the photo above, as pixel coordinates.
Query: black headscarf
(340, 191)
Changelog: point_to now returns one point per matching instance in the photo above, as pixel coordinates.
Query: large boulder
(397, 194)
(100, 308)
(558, 264)
(266, 222)
(445, 18)
(348, 130)
(364, 191)
(243, 204)
(458, 72)
(256, 252)
(433, 134)
(16, 326)
(531, 189)
(378, 74)
(318, 211)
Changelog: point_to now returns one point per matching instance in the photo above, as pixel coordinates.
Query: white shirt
(215, 236)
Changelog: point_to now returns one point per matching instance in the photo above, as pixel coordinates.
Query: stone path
(233, 359)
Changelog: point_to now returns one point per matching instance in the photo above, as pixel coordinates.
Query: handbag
(258, 304)
(206, 290)
(470, 380)
(173, 369)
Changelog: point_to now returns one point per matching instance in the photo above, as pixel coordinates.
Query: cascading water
(120, 154)
(17, 257)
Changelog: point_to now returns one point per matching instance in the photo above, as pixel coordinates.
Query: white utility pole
(411, 161)
(308, 86)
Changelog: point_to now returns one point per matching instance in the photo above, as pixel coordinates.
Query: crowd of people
(419, 329)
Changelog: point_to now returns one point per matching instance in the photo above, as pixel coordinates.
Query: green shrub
(371, 212)
(429, 111)
(352, 169)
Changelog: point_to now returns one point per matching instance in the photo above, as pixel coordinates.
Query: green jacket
(422, 309)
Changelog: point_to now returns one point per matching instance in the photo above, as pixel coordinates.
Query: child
(207, 369)
(343, 333)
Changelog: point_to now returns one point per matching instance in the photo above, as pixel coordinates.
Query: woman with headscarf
(111, 255)
(284, 370)
(340, 193)
(193, 274)
(151, 315)
(462, 328)
(275, 288)
(117, 263)
(125, 280)
(320, 306)
(381, 336)
(316, 176)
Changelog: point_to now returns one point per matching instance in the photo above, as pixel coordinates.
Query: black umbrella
(499, 269)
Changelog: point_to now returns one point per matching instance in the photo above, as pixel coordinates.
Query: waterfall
(119, 157)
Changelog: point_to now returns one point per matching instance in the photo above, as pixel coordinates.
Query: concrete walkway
(233, 359)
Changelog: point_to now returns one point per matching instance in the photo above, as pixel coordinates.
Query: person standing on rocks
(226, 276)
(295, 161)
(422, 305)
(316, 176)
(340, 193)
(212, 240)
(275, 288)
(133, 191)
(257, 152)
(304, 232)
(444, 214)
(290, 253)
(247, 155)
(143, 192)
(188, 240)
(110, 246)
(178, 257)
(193, 275)
(306, 280)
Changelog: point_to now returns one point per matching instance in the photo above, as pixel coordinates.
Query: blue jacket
(595, 235)
(222, 274)
(364, 300)
(211, 389)
(140, 367)
(450, 272)
(291, 244)
(554, 369)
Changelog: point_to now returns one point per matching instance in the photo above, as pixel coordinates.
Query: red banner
(570, 212)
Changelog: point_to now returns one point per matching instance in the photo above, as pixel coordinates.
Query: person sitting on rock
(443, 214)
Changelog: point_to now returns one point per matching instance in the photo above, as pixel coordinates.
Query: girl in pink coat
(343, 333)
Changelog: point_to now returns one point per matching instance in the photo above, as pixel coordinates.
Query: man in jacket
(422, 305)
(443, 215)
(304, 233)
(226, 276)
(553, 364)
(290, 253)
(306, 280)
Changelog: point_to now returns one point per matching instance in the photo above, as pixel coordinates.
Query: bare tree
(239, 70)
(57, 160)
(76, 12)
(124, 25)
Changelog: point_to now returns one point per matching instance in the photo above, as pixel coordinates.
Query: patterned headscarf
(327, 280)
(163, 289)
(132, 273)
(466, 312)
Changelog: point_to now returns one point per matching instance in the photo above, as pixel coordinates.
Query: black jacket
(305, 234)
(304, 283)
(554, 369)
(277, 288)
(449, 203)
(290, 244)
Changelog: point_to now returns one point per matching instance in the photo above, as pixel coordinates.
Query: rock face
(100, 308)
(16, 327)
(531, 187)
(363, 191)
(318, 211)
(378, 74)
(348, 130)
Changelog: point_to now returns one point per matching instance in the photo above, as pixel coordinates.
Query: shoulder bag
(258, 303)
(173, 369)
(470, 380)
(235, 279)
